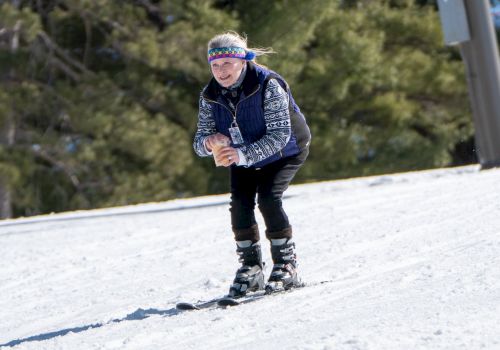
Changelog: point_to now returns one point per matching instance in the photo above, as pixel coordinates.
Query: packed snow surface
(411, 261)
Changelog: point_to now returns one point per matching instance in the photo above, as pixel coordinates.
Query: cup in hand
(219, 143)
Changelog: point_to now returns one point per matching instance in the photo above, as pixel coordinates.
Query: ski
(184, 306)
(227, 301)
(200, 305)
(270, 290)
(231, 301)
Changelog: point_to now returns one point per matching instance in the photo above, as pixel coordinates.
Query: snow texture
(412, 259)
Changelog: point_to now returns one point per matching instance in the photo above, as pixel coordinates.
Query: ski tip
(228, 301)
(186, 306)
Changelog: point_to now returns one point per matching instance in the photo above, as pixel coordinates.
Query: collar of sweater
(239, 81)
(249, 82)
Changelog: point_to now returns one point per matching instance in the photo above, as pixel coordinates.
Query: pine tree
(98, 101)
(397, 98)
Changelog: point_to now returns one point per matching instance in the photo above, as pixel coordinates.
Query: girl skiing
(249, 122)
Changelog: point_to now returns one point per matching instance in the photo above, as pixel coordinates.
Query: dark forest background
(99, 98)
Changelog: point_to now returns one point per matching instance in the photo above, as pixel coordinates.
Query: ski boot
(250, 276)
(284, 273)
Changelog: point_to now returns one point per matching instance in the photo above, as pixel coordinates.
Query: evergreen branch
(181, 122)
(57, 49)
(64, 67)
(424, 132)
(113, 24)
(50, 89)
(39, 152)
(153, 12)
(12, 35)
(7, 131)
(88, 40)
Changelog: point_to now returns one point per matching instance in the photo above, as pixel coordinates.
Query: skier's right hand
(226, 156)
(216, 141)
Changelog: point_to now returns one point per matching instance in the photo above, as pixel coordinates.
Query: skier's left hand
(227, 156)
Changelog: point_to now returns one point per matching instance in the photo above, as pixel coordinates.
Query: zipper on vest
(246, 97)
(236, 108)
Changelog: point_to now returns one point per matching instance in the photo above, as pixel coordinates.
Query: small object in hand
(221, 143)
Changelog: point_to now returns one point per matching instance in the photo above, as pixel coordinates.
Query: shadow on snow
(137, 315)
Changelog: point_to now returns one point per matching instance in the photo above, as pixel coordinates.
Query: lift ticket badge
(236, 136)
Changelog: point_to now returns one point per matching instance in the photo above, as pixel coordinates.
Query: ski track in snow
(413, 261)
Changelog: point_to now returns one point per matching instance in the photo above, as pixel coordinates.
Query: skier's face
(227, 70)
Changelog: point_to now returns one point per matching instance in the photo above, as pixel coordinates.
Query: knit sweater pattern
(277, 120)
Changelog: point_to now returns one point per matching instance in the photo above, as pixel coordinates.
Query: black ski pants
(268, 184)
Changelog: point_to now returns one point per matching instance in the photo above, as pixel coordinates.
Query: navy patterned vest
(250, 112)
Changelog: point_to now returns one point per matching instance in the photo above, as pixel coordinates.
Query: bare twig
(14, 45)
(65, 68)
(88, 40)
(53, 161)
(58, 50)
(153, 12)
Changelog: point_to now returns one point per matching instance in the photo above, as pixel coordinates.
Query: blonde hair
(231, 38)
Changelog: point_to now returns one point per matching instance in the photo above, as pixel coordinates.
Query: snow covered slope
(413, 260)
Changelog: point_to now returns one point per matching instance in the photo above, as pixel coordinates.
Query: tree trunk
(7, 132)
(5, 200)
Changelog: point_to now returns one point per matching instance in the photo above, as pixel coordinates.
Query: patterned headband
(231, 52)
